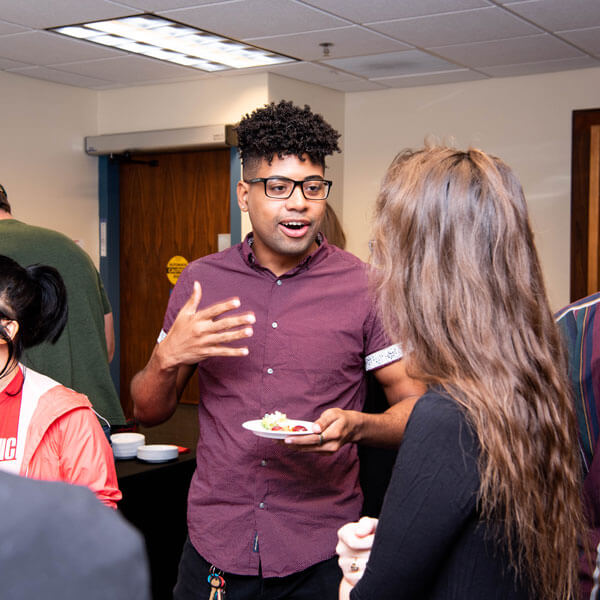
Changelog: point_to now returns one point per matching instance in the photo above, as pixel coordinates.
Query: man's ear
(243, 189)
(11, 327)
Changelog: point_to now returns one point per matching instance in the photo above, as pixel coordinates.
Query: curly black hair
(283, 130)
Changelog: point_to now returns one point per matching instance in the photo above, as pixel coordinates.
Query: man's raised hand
(199, 334)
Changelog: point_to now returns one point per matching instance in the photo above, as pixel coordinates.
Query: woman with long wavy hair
(484, 499)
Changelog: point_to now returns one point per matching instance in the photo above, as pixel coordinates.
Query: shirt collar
(316, 256)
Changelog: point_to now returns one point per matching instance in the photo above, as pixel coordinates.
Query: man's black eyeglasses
(281, 188)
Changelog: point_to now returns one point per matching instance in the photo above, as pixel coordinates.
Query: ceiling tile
(477, 25)
(586, 39)
(44, 48)
(50, 13)
(242, 72)
(361, 11)
(505, 52)
(357, 85)
(244, 19)
(559, 15)
(59, 76)
(347, 41)
(7, 63)
(319, 74)
(10, 28)
(431, 78)
(130, 69)
(156, 5)
(547, 66)
(391, 65)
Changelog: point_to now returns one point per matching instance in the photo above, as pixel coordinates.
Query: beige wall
(524, 120)
(188, 104)
(49, 179)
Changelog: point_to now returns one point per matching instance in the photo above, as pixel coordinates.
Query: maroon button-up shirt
(252, 500)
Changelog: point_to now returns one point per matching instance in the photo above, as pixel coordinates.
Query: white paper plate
(124, 454)
(127, 438)
(157, 453)
(256, 428)
(125, 444)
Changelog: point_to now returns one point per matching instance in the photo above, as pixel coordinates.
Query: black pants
(318, 581)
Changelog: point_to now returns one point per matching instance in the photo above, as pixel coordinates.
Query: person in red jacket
(47, 431)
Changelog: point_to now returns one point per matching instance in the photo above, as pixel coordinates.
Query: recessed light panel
(173, 42)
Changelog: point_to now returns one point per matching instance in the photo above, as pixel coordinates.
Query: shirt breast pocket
(326, 363)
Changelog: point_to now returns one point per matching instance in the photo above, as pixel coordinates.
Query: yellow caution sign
(174, 268)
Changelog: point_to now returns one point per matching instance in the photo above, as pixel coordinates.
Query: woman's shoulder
(437, 414)
(41, 386)
(437, 405)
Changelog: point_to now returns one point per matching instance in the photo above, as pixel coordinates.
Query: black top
(430, 542)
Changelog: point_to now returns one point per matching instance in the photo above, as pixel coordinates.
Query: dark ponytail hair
(36, 298)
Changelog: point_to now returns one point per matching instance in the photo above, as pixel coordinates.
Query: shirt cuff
(383, 357)
(161, 336)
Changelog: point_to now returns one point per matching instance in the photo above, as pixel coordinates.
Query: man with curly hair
(281, 322)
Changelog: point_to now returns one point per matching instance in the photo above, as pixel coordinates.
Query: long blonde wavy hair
(460, 287)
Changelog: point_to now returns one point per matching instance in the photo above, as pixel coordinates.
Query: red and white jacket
(65, 441)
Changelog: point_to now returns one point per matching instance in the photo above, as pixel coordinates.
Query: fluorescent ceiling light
(173, 42)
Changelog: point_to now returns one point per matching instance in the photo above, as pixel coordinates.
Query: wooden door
(176, 208)
(585, 204)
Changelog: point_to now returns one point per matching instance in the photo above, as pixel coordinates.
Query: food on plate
(278, 421)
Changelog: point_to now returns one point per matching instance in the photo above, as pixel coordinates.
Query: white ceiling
(377, 44)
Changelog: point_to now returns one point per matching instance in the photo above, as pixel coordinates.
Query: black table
(154, 501)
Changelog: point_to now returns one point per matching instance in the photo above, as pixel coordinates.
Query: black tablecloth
(154, 501)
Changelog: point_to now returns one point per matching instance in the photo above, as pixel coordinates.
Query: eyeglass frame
(296, 183)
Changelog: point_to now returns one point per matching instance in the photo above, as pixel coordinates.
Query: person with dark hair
(281, 322)
(80, 358)
(46, 430)
(484, 498)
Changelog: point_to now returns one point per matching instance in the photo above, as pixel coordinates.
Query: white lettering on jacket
(8, 448)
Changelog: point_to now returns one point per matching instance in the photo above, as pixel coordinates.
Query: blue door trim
(108, 201)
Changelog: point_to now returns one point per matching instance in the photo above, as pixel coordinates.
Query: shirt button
(274, 324)
(263, 463)
(261, 505)
(270, 371)
(279, 282)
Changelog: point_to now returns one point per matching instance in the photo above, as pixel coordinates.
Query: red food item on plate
(299, 428)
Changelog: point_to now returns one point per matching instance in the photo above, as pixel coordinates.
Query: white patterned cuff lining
(383, 357)
(161, 336)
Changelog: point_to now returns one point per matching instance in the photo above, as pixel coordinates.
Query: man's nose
(296, 201)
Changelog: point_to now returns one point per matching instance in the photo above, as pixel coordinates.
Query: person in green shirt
(80, 357)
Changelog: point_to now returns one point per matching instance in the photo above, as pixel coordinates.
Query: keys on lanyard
(217, 584)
